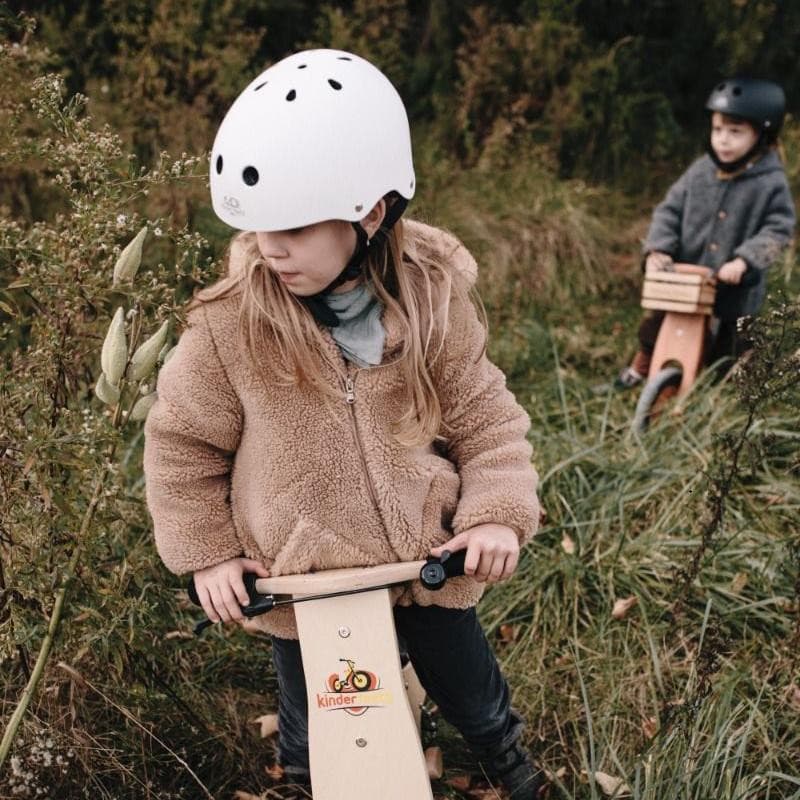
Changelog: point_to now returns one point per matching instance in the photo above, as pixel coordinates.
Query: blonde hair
(414, 281)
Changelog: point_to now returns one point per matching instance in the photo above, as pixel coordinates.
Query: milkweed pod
(146, 356)
(114, 354)
(143, 406)
(106, 391)
(166, 353)
(129, 259)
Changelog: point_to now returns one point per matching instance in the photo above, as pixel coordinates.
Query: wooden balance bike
(687, 296)
(360, 719)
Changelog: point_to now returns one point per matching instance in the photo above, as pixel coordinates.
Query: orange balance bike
(687, 297)
(364, 708)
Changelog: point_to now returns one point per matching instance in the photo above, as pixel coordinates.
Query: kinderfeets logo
(354, 691)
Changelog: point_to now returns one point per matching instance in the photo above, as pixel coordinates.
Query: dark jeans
(455, 664)
(728, 342)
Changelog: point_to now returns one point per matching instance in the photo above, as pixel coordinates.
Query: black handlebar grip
(751, 277)
(192, 589)
(259, 603)
(437, 570)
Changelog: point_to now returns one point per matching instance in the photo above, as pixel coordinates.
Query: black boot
(515, 772)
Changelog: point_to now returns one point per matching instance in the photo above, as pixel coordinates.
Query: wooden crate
(675, 291)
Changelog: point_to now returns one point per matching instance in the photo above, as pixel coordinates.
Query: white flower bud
(106, 391)
(129, 259)
(146, 355)
(115, 349)
(143, 406)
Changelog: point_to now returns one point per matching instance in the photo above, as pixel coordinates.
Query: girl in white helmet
(331, 403)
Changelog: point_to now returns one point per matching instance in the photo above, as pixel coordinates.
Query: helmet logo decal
(232, 205)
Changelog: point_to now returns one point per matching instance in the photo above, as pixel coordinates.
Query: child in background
(732, 209)
(331, 403)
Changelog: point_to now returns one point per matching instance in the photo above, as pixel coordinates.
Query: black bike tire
(360, 673)
(665, 378)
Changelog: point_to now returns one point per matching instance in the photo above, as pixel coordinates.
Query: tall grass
(693, 694)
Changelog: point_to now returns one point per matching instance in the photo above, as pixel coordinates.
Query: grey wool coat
(709, 218)
(236, 464)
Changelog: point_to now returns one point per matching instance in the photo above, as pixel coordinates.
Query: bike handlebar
(432, 573)
(751, 278)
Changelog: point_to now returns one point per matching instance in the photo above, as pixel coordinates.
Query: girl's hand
(220, 588)
(732, 271)
(658, 262)
(492, 551)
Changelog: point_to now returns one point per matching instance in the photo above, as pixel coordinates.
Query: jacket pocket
(311, 547)
(441, 500)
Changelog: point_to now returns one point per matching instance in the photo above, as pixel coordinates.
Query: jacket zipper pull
(350, 390)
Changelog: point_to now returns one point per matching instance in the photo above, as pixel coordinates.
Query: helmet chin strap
(355, 266)
(735, 166)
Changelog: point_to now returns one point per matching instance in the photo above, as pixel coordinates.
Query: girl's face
(731, 138)
(307, 259)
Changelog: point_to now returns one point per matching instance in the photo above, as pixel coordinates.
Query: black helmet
(761, 102)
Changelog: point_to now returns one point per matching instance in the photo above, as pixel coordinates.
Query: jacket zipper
(350, 399)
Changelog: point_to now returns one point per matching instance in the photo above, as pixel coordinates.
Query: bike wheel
(361, 680)
(660, 388)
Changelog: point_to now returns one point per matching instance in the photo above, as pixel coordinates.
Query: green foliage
(509, 74)
(695, 691)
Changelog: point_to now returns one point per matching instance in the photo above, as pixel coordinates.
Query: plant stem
(55, 618)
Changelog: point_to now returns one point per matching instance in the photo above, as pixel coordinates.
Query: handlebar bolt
(361, 742)
(344, 632)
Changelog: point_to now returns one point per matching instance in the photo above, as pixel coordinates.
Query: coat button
(722, 214)
(713, 247)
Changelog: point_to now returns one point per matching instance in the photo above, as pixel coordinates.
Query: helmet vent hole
(250, 176)
(219, 165)
(260, 86)
(344, 58)
(737, 90)
(334, 84)
(411, 185)
(291, 96)
(359, 207)
(720, 87)
(302, 66)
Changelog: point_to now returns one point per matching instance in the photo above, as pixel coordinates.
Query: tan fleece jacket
(235, 465)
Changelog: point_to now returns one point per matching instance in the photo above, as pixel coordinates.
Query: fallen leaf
(559, 773)
(623, 606)
(508, 633)
(268, 723)
(275, 772)
(794, 696)
(179, 635)
(611, 786)
(739, 582)
(567, 544)
(433, 760)
(460, 783)
(650, 727)
(489, 793)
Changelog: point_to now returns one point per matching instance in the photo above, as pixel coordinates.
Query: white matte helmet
(320, 135)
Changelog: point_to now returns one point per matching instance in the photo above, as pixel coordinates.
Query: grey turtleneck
(360, 333)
